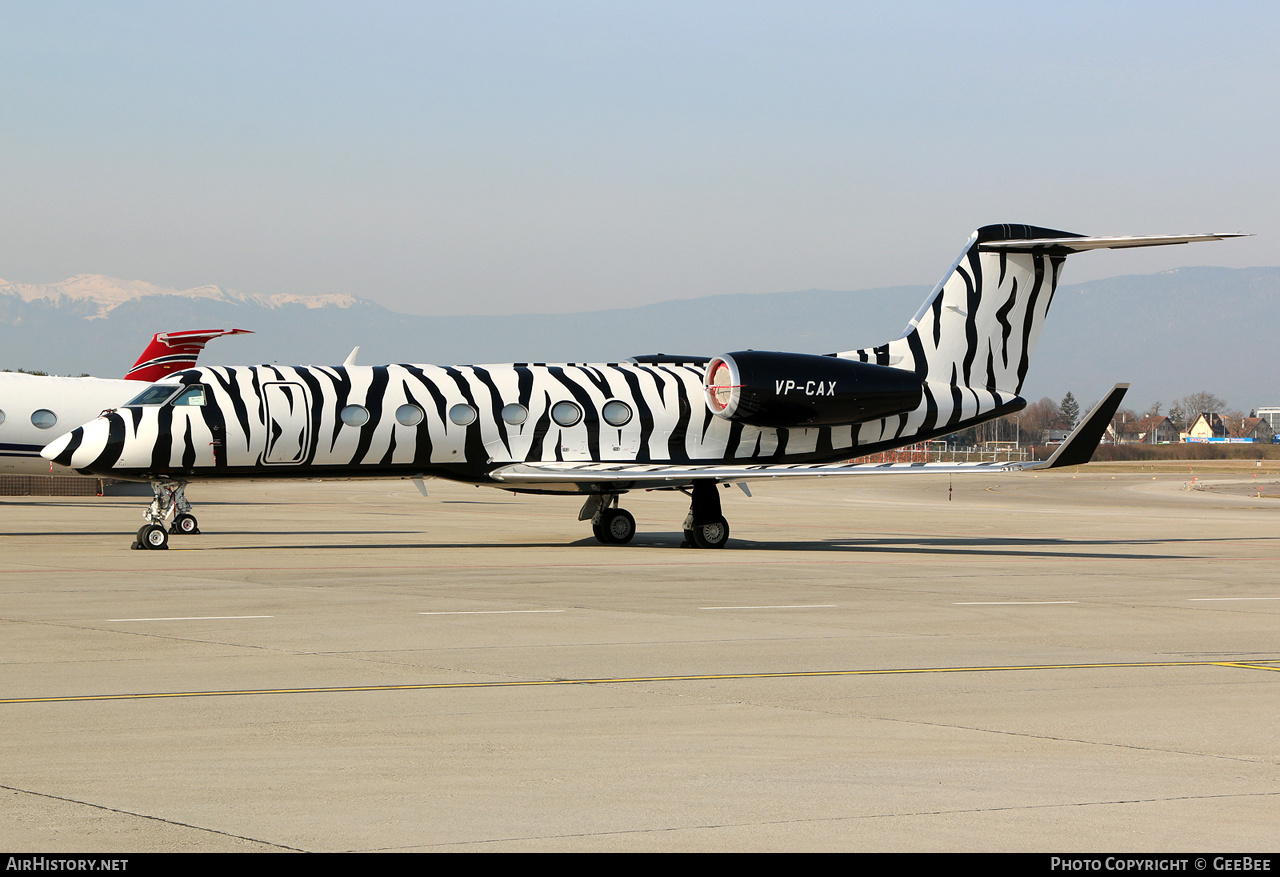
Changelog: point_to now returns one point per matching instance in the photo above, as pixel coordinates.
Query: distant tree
(1196, 403)
(1183, 412)
(1154, 410)
(1037, 419)
(1070, 409)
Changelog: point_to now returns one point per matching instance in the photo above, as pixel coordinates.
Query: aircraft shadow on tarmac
(995, 546)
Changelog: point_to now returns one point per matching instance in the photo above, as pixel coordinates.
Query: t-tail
(172, 352)
(979, 326)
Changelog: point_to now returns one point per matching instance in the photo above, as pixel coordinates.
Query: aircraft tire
(616, 527)
(713, 534)
(620, 525)
(153, 537)
(185, 525)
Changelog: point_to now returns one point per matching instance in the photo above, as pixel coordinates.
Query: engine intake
(766, 388)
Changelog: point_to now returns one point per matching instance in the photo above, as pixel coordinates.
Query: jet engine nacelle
(765, 388)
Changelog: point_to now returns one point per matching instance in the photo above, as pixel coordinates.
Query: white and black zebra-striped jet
(604, 429)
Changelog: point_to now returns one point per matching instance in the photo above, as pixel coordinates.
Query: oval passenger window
(462, 414)
(515, 414)
(355, 415)
(566, 413)
(616, 413)
(409, 415)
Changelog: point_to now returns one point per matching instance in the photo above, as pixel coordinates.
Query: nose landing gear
(169, 499)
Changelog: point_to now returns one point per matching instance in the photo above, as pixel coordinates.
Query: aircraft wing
(641, 475)
(1075, 450)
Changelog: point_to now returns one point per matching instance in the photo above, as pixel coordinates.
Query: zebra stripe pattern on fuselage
(242, 430)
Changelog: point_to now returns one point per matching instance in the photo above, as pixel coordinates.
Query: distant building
(1212, 427)
(1150, 430)
(1156, 429)
(1121, 432)
(1272, 417)
(1251, 428)
(1207, 426)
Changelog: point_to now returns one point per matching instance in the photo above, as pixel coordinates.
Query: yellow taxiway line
(1267, 664)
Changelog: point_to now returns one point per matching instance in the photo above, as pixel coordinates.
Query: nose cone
(81, 447)
(62, 443)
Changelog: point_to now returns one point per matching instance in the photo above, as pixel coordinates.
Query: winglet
(1077, 449)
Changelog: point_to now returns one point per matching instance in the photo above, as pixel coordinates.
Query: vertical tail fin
(171, 352)
(980, 325)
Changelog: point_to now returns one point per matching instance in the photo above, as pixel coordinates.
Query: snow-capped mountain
(94, 296)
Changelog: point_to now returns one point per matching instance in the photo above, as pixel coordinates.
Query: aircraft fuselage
(463, 422)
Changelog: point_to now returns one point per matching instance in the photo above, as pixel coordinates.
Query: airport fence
(939, 452)
(50, 485)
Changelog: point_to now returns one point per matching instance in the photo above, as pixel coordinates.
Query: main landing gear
(704, 526)
(170, 499)
(612, 525)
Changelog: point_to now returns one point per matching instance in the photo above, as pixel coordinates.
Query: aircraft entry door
(288, 423)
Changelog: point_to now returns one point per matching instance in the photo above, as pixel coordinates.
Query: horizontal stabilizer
(1080, 244)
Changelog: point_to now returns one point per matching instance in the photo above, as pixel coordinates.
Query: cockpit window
(193, 395)
(157, 394)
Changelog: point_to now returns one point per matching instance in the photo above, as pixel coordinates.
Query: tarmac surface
(1069, 662)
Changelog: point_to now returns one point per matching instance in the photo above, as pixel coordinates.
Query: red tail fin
(171, 352)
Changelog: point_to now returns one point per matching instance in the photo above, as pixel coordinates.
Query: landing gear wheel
(713, 534)
(152, 537)
(184, 525)
(616, 527)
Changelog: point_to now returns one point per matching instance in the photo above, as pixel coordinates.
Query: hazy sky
(485, 157)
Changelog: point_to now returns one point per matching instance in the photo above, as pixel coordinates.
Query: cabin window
(515, 414)
(355, 415)
(1, 417)
(566, 413)
(193, 395)
(616, 412)
(462, 414)
(409, 415)
(156, 394)
(43, 418)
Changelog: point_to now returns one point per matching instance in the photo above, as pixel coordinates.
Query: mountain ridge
(1169, 334)
(108, 293)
